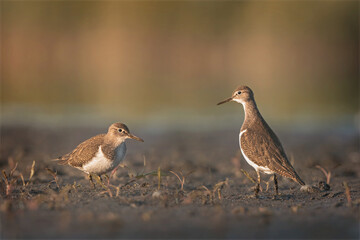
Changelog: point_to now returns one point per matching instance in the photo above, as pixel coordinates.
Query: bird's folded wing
(266, 150)
(84, 151)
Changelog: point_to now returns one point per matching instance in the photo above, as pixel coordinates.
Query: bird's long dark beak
(135, 137)
(225, 101)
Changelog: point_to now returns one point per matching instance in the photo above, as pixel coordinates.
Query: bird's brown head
(121, 132)
(241, 94)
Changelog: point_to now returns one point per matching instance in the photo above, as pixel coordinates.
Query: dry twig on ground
(347, 193)
(325, 172)
(181, 180)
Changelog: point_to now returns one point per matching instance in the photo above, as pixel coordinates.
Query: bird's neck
(112, 147)
(252, 114)
(112, 141)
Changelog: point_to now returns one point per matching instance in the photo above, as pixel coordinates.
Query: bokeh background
(164, 65)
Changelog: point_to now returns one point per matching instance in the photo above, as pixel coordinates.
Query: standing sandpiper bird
(258, 143)
(100, 154)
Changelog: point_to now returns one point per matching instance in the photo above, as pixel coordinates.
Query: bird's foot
(99, 181)
(256, 192)
(107, 179)
(91, 181)
(258, 188)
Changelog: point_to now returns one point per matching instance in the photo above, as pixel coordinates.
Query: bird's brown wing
(265, 150)
(83, 152)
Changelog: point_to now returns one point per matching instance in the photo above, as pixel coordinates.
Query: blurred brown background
(169, 63)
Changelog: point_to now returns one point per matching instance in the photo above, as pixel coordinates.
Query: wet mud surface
(216, 200)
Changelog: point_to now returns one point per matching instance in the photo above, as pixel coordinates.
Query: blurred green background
(166, 64)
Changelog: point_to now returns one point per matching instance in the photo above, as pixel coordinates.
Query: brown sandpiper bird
(100, 154)
(259, 145)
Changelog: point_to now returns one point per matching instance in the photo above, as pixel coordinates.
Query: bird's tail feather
(298, 179)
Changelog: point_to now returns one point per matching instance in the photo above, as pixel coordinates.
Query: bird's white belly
(251, 163)
(100, 164)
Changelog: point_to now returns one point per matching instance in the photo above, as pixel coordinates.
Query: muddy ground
(216, 201)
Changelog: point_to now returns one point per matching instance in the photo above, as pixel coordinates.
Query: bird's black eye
(238, 93)
(120, 130)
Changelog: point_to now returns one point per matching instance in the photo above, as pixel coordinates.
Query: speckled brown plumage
(262, 146)
(83, 153)
(259, 144)
(102, 153)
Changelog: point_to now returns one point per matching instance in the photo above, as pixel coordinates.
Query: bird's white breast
(251, 163)
(100, 164)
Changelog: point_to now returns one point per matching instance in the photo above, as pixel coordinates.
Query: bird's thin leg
(91, 180)
(107, 178)
(99, 180)
(113, 172)
(276, 185)
(257, 188)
